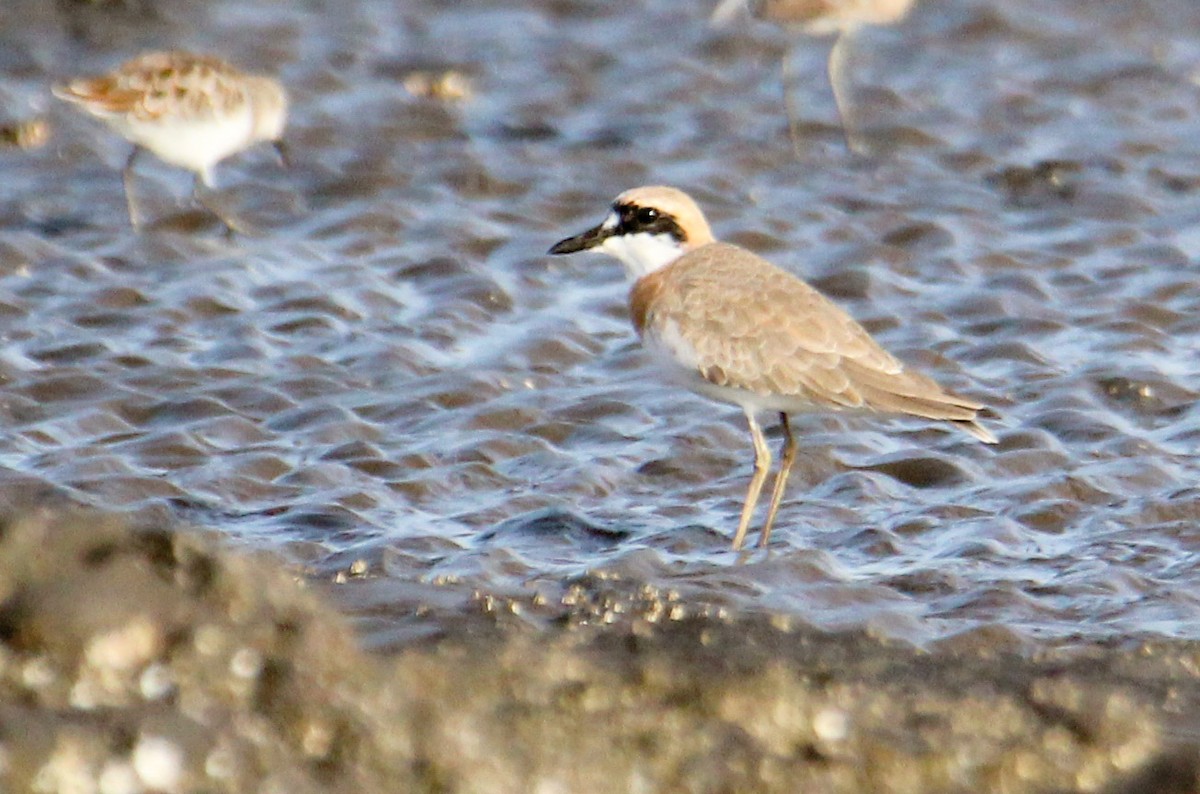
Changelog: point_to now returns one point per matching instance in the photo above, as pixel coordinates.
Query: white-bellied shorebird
(189, 110)
(732, 326)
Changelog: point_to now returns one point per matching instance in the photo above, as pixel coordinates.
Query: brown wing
(754, 326)
(156, 83)
(797, 12)
(827, 16)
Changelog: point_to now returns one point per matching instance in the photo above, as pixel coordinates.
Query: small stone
(118, 777)
(158, 761)
(126, 648)
(246, 663)
(449, 86)
(156, 682)
(38, 673)
(831, 724)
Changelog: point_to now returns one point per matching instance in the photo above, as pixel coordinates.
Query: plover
(734, 327)
(190, 110)
(840, 18)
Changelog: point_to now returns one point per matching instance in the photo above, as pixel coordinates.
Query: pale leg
(785, 468)
(127, 180)
(841, 97)
(283, 153)
(762, 462)
(202, 192)
(787, 77)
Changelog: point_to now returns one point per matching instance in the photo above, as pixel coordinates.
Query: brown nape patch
(642, 296)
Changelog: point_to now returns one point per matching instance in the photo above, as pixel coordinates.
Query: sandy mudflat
(163, 660)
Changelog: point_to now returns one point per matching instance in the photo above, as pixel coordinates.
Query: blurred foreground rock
(135, 659)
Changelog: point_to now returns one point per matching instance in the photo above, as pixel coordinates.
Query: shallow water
(393, 382)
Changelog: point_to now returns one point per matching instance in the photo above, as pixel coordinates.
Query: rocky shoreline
(158, 659)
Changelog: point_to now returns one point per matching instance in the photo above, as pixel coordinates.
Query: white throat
(643, 253)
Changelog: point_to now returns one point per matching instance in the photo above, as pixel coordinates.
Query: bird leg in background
(787, 76)
(787, 458)
(207, 199)
(762, 463)
(127, 180)
(282, 152)
(836, 66)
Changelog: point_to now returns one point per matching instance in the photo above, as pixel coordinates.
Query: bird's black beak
(281, 149)
(582, 242)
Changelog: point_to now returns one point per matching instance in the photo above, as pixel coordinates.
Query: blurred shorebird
(731, 326)
(189, 110)
(839, 18)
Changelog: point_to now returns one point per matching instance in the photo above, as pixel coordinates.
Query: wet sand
(146, 659)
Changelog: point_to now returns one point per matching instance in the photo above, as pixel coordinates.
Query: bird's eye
(647, 215)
